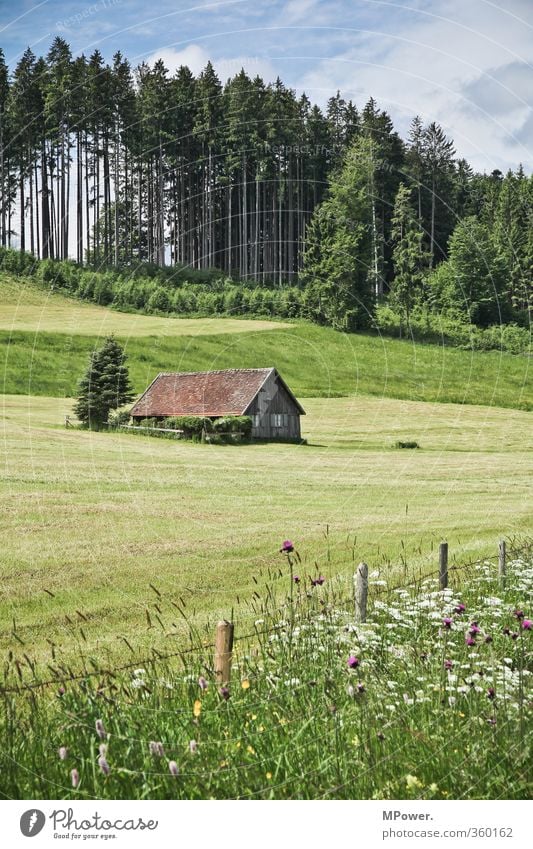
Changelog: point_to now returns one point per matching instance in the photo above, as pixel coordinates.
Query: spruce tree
(105, 385)
(409, 259)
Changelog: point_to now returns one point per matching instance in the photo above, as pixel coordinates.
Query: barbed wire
(159, 657)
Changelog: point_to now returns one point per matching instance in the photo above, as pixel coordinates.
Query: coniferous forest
(188, 194)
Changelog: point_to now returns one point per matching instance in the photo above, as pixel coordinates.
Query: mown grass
(90, 520)
(316, 362)
(429, 699)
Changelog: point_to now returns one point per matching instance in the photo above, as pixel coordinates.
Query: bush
(117, 418)
(234, 425)
(408, 444)
(192, 426)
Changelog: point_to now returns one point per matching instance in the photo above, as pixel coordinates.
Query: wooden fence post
(443, 565)
(502, 564)
(223, 652)
(361, 592)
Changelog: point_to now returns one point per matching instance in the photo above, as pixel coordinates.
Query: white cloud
(439, 66)
(196, 58)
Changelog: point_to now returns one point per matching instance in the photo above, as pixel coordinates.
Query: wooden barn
(260, 393)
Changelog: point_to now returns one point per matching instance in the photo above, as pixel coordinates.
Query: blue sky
(467, 64)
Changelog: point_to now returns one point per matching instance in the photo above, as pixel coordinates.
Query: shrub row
(185, 291)
(196, 427)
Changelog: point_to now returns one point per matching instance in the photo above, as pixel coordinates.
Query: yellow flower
(261, 728)
(250, 750)
(238, 744)
(433, 787)
(223, 764)
(269, 776)
(245, 684)
(412, 782)
(197, 709)
(253, 716)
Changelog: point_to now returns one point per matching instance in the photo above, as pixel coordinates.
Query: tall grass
(430, 698)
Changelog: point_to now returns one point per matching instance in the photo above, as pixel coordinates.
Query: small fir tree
(105, 385)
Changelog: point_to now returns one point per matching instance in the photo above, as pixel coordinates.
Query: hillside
(47, 338)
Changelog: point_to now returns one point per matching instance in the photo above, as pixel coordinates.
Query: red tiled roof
(207, 393)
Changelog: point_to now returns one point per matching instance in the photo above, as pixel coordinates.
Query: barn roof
(204, 393)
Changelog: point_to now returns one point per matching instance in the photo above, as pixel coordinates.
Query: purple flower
(74, 777)
(353, 662)
(507, 631)
(156, 749)
(470, 641)
(527, 624)
(296, 579)
(202, 683)
(173, 768)
(61, 691)
(447, 622)
(287, 547)
(317, 581)
(361, 688)
(104, 766)
(519, 614)
(63, 753)
(491, 693)
(488, 638)
(448, 664)
(224, 692)
(491, 721)
(460, 608)
(193, 747)
(474, 629)
(100, 730)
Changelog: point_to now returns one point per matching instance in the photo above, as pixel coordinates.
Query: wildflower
(173, 768)
(491, 693)
(460, 608)
(287, 547)
(474, 629)
(448, 664)
(360, 688)
(350, 690)
(224, 692)
(250, 750)
(104, 766)
(268, 776)
(100, 730)
(193, 747)
(102, 749)
(447, 622)
(488, 638)
(245, 684)
(74, 777)
(470, 641)
(61, 691)
(317, 581)
(507, 632)
(380, 736)
(156, 749)
(353, 662)
(63, 753)
(202, 683)
(413, 782)
(527, 624)
(519, 614)
(491, 721)
(514, 635)
(197, 709)
(296, 579)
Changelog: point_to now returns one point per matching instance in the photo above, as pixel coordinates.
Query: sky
(467, 64)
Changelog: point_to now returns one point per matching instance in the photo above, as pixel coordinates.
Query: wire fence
(63, 675)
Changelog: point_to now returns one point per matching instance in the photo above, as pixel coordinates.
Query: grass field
(316, 361)
(94, 518)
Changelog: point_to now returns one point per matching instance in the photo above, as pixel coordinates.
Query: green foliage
(105, 385)
(409, 258)
(339, 246)
(192, 426)
(410, 443)
(117, 418)
(234, 424)
(472, 283)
